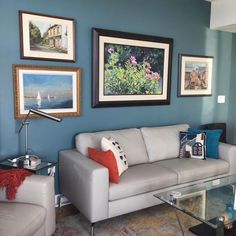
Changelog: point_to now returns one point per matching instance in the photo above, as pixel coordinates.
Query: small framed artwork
(55, 90)
(195, 75)
(45, 37)
(193, 202)
(130, 69)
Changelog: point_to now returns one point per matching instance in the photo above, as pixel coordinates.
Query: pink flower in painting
(110, 50)
(149, 76)
(133, 60)
(156, 76)
(148, 71)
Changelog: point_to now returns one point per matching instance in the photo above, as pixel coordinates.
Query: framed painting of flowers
(130, 69)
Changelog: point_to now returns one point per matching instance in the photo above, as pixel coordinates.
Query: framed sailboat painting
(55, 90)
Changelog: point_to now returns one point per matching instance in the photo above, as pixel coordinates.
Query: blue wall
(186, 21)
(231, 122)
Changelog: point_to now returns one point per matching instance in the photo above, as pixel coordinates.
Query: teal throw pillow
(212, 141)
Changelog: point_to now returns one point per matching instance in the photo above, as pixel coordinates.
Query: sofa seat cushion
(163, 142)
(131, 141)
(140, 179)
(20, 219)
(192, 169)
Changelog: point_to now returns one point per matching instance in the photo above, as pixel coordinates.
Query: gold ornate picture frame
(52, 89)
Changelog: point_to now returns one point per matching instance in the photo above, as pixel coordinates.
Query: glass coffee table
(212, 202)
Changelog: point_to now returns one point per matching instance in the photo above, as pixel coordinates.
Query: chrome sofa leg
(59, 201)
(92, 229)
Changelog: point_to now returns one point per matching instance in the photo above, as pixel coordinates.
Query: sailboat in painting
(39, 100)
(49, 91)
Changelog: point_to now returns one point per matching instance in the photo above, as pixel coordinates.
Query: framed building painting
(54, 90)
(130, 69)
(195, 75)
(45, 37)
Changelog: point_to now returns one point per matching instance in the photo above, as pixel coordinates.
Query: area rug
(159, 220)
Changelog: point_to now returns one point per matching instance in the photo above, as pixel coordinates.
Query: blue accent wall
(231, 119)
(186, 21)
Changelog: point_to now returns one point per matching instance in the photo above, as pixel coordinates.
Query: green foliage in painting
(133, 70)
(35, 35)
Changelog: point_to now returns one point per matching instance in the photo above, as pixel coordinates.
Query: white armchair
(32, 213)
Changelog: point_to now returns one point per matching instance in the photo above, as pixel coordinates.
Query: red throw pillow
(106, 159)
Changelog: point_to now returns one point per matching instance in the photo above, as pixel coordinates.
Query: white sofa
(154, 166)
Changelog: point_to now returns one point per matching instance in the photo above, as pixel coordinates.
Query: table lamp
(27, 157)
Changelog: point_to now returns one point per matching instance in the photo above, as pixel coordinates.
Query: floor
(161, 220)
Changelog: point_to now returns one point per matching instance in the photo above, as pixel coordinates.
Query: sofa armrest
(227, 152)
(85, 183)
(39, 190)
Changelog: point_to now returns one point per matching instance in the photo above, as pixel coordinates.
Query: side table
(45, 167)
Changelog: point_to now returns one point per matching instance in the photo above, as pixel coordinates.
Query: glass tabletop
(43, 165)
(208, 201)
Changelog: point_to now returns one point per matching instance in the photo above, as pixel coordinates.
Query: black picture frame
(130, 54)
(52, 37)
(195, 75)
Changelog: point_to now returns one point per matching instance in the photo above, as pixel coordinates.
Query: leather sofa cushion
(163, 142)
(131, 141)
(192, 169)
(20, 219)
(141, 179)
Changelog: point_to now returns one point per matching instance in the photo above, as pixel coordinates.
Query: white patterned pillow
(114, 146)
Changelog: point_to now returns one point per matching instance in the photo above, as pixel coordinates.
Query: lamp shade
(44, 114)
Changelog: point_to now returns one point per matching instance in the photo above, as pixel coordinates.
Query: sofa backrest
(131, 141)
(162, 142)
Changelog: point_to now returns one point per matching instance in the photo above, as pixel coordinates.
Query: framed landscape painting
(45, 37)
(130, 69)
(195, 75)
(55, 90)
